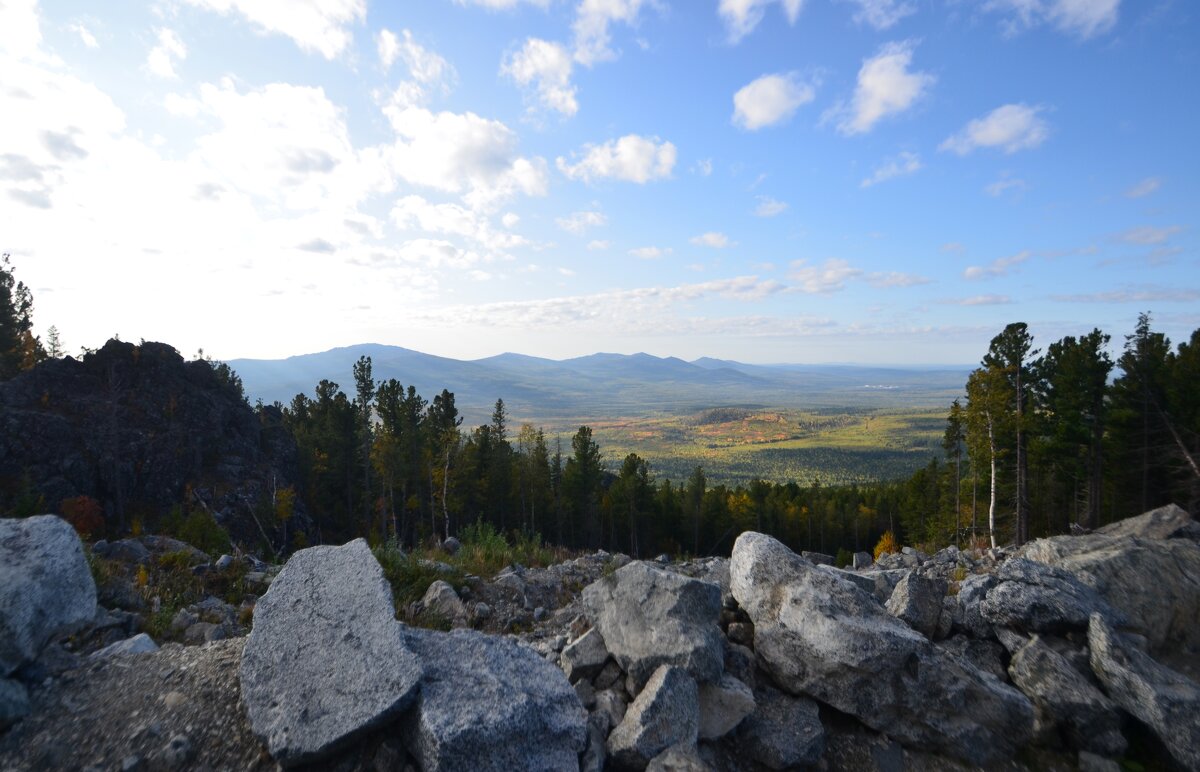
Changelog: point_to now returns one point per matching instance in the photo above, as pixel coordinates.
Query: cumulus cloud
(881, 14)
(905, 163)
(316, 26)
(650, 253)
(1001, 266)
(425, 67)
(1006, 183)
(886, 86)
(546, 68)
(769, 207)
(712, 239)
(1144, 188)
(631, 158)
(169, 50)
(85, 35)
(828, 277)
(598, 244)
(703, 167)
(980, 300)
(770, 99)
(742, 16)
(888, 279)
(579, 222)
(416, 213)
(1082, 18)
(1009, 127)
(591, 27)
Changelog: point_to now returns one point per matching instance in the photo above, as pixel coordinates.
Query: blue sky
(885, 181)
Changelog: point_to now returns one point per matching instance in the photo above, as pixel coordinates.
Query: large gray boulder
(325, 661)
(650, 617)
(442, 601)
(917, 601)
(1036, 597)
(490, 704)
(1160, 698)
(723, 705)
(966, 614)
(783, 732)
(1169, 522)
(1066, 700)
(138, 644)
(665, 713)
(1155, 583)
(46, 587)
(585, 656)
(820, 636)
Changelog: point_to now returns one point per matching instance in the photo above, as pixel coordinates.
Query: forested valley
(1041, 441)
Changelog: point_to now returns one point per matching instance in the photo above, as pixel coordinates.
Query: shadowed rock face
(819, 635)
(131, 426)
(490, 704)
(326, 661)
(650, 617)
(46, 587)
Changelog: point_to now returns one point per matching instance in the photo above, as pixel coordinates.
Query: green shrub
(843, 558)
(199, 529)
(408, 576)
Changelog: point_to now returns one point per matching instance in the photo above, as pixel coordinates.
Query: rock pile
(765, 661)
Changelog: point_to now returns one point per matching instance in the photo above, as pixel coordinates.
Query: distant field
(735, 445)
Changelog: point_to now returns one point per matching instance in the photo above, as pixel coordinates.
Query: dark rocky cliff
(140, 430)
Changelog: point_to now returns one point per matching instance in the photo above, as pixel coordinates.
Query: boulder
(650, 617)
(127, 551)
(1036, 597)
(1155, 583)
(325, 662)
(1169, 522)
(917, 601)
(490, 704)
(14, 702)
(783, 732)
(442, 601)
(1160, 698)
(861, 560)
(138, 644)
(983, 654)
(819, 636)
(967, 615)
(584, 657)
(679, 758)
(611, 705)
(1065, 699)
(723, 705)
(818, 558)
(665, 713)
(46, 587)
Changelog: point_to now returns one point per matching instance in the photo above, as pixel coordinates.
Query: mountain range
(605, 384)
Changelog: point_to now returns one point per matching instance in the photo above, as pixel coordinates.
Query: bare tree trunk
(445, 489)
(992, 502)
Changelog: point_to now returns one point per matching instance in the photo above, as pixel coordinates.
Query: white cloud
(1144, 188)
(1141, 294)
(885, 87)
(592, 20)
(510, 219)
(650, 253)
(888, 279)
(712, 239)
(1148, 235)
(20, 31)
(703, 167)
(1009, 127)
(598, 244)
(826, 278)
(905, 163)
(85, 35)
(578, 222)
(1004, 184)
(742, 16)
(980, 300)
(496, 5)
(320, 26)
(770, 99)
(1082, 18)
(631, 158)
(415, 213)
(769, 207)
(881, 14)
(546, 66)
(1001, 266)
(162, 58)
(426, 67)
(954, 247)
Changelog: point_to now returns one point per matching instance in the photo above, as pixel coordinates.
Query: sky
(874, 181)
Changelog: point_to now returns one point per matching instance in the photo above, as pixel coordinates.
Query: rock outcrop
(46, 588)
(325, 662)
(665, 713)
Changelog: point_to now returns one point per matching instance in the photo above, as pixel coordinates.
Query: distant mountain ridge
(603, 384)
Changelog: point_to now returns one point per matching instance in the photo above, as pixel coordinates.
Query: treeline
(1048, 440)
(386, 463)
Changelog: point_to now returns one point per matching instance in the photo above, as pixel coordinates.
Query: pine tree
(19, 348)
(1009, 353)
